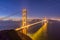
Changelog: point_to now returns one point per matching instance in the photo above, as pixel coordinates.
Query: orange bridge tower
(24, 20)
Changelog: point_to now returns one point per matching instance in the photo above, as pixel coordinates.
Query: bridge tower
(24, 20)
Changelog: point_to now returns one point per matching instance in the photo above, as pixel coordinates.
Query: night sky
(35, 8)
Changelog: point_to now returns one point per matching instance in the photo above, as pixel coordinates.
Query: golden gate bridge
(24, 26)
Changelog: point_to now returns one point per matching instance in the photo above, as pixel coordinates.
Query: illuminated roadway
(29, 25)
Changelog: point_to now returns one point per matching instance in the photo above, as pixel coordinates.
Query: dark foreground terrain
(13, 35)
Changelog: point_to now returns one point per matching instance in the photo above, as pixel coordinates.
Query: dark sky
(35, 8)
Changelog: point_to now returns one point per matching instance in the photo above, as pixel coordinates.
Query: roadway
(28, 25)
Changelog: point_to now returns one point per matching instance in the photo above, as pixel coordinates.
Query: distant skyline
(35, 8)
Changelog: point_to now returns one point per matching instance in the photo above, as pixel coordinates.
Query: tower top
(24, 9)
